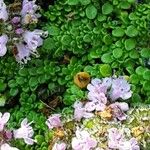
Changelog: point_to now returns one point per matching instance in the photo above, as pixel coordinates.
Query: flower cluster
(97, 123)
(24, 132)
(100, 97)
(24, 42)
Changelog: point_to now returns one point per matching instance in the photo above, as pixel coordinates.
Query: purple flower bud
(19, 31)
(15, 20)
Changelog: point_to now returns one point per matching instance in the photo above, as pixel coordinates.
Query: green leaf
(118, 32)
(85, 2)
(107, 58)
(105, 70)
(131, 31)
(117, 52)
(140, 70)
(12, 83)
(53, 30)
(49, 44)
(13, 91)
(23, 72)
(87, 38)
(40, 139)
(91, 12)
(146, 86)
(2, 86)
(107, 8)
(134, 54)
(66, 40)
(2, 100)
(73, 2)
(146, 75)
(134, 78)
(130, 44)
(107, 39)
(145, 52)
(125, 5)
(33, 81)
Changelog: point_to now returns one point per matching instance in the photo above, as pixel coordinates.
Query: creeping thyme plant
(74, 74)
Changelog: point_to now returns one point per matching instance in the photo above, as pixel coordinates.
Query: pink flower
(7, 147)
(120, 89)
(83, 141)
(99, 86)
(81, 112)
(25, 132)
(61, 146)
(3, 41)
(114, 138)
(23, 54)
(3, 120)
(119, 109)
(16, 20)
(19, 31)
(3, 11)
(33, 39)
(98, 101)
(132, 144)
(54, 121)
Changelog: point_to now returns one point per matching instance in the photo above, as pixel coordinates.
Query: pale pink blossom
(16, 20)
(98, 101)
(7, 147)
(25, 131)
(120, 89)
(3, 42)
(118, 110)
(83, 141)
(132, 144)
(3, 120)
(114, 138)
(23, 54)
(60, 146)
(54, 121)
(33, 39)
(3, 11)
(81, 112)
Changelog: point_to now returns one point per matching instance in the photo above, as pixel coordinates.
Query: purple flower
(54, 121)
(120, 89)
(33, 39)
(81, 112)
(3, 11)
(114, 138)
(132, 144)
(19, 31)
(25, 132)
(83, 141)
(28, 12)
(3, 41)
(3, 120)
(29, 7)
(119, 109)
(23, 54)
(98, 102)
(99, 86)
(61, 146)
(16, 20)
(7, 147)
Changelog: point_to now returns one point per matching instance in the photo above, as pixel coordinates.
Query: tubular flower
(7, 147)
(83, 141)
(3, 120)
(3, 11)
(120, 89)
(54, 121)
(25, 132)
(81, 112)
(61, 146)
(3, 41)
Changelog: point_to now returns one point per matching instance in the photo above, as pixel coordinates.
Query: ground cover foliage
(102, 38)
